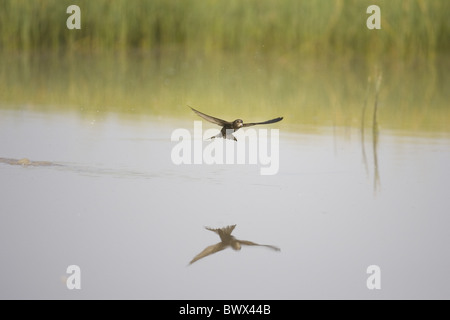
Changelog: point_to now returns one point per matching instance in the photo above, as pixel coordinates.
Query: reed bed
(322, 27)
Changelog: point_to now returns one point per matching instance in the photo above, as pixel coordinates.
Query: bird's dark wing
(208, 251)
(218, 121)
(249, 243)
(265, 122)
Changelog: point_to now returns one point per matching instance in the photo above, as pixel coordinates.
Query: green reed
(322, 27)
(305, 60)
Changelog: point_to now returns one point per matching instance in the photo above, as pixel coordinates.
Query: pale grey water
(132, 220)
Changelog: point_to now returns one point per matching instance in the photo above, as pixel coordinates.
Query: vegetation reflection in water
(316, 93)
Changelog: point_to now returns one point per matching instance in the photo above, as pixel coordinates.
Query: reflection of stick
(363, 116)
(375, 108)
(376, 180)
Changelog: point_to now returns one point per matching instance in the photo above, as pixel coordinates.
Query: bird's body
(228, 127)
(227, 240)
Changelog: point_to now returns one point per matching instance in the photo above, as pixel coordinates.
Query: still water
(110, 200)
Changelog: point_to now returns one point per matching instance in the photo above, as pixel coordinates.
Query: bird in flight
(229, 127)
(227, 240)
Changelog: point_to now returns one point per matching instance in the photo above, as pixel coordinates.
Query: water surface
(118, 207)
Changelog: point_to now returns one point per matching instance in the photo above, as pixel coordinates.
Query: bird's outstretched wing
(249, 243)
(226, 230)
(218, 121)
(265, 122)
(208, 251)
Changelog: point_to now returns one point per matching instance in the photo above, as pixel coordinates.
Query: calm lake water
(115, 205)
(112, 201)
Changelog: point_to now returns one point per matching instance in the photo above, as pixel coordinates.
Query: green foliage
(320, 27)
(306, 60)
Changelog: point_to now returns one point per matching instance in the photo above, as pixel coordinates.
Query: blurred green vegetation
(308, 61)
(410, 28)
(305, 92)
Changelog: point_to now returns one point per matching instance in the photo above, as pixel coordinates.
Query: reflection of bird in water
(227, 240)
(234, 126)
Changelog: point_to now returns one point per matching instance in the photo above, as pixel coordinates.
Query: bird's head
(238, 123)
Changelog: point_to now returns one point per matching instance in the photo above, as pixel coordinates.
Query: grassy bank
(327, 27)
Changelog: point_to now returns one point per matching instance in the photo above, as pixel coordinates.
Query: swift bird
(228, 126)
(227, 240)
